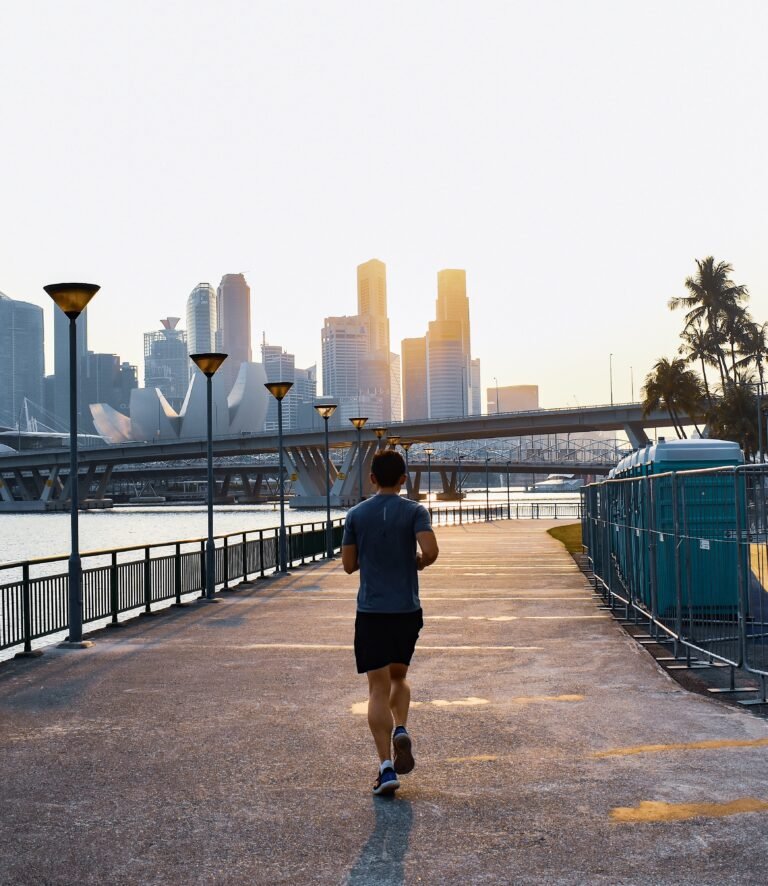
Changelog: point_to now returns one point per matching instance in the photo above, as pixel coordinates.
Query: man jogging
(380, 539)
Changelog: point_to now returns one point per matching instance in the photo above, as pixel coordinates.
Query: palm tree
(672, 386)
(714, 300)
(753, 347)
(698, 345)
(733, 418)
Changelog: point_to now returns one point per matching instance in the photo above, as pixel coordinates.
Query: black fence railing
(34, 594)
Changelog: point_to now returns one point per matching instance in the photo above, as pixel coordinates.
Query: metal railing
(442, 516)
(688, 551)
(34, 593)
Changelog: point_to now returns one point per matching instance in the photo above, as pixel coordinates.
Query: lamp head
(72, 298)
(379, 432)
(208, 364)
(393, 441)
(278, 389)
(325, 410)
(359, 422)
(406, 445)
(429, 450)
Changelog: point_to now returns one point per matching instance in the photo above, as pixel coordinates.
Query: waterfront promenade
(226, 743)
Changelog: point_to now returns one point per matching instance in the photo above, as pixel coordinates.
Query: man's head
(388, 469)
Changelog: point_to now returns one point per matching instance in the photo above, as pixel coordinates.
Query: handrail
(34, 605)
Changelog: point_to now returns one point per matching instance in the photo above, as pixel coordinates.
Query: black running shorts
(383, 638)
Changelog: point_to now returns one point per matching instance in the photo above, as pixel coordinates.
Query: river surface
(29, 536)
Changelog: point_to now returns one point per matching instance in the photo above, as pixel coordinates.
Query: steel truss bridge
(521, 442)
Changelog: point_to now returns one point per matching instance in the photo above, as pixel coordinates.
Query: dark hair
(387, 467)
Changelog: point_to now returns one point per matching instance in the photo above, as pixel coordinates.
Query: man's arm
(349, 558)
(429, 550)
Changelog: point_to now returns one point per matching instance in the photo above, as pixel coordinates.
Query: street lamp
(610, 374)
(429, 450)
(379, 434)
(393, 441)
(208, 364)
(72, 298)
(458, 478)
(325, 411)
(359, 423)
(509, 507)
(279, 389)
(406, 446)
(487, 491)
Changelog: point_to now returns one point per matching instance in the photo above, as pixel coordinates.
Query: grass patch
(569, 535)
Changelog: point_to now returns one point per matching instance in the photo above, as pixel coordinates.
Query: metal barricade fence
(689, 552)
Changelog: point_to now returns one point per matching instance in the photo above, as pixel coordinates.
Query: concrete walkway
(227, 744)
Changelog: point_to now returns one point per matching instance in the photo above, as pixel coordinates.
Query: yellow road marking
(478, 758)
(652, 810)
(361, 707)
(685, 746)
(534, 699)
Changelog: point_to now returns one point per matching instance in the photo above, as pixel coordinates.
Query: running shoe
(387, 782)
(401, 742)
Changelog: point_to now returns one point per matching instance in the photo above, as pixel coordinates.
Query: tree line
(719, 372)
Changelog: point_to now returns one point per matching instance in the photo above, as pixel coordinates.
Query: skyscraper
(280, 366)
(375, 371)
(395, 398)
(61, 364)
(476, 401)
(106, 380)
(345, 344)
(453, 305)
(233, 311)
(414, 372)
(447, 388)
(166, 361)
(372, 302)
(21, 358)
(201, 321)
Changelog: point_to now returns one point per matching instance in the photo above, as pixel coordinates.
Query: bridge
(38, 479)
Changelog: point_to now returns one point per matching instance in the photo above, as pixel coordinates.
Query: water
(29, 536)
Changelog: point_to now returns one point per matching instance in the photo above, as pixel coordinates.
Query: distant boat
(560, 483)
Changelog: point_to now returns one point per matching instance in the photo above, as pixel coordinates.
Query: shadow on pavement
(382, 859)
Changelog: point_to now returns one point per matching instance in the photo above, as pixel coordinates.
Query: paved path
(227, 744)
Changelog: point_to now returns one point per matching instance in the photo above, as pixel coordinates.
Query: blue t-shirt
(384, 529)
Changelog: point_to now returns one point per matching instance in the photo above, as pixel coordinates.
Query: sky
(574, 158)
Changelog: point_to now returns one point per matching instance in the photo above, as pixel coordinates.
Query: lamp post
(458, 478)
(509, 506)
(72, 298)
(379, 434)
(279, 389)
(610, 374)
(487, 490)
(208, 364)
(359, 423)
(325, 411)
(429, 450)
(406, 445)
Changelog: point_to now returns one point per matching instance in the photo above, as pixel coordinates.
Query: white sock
(387, 764)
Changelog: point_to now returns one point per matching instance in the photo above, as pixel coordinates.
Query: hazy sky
(574, 157)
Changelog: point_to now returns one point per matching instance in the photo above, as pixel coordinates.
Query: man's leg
(379, 713)
(399, 694)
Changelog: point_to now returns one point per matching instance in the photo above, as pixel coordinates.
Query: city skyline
(562, 175)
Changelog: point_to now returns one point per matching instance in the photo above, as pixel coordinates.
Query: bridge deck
(227, 743)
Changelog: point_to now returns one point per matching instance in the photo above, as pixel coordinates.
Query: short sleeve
(349, 531)
(421, 522)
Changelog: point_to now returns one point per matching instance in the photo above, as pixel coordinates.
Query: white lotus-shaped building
(152, 418)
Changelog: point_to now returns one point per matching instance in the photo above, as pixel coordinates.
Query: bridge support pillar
(636, 434)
